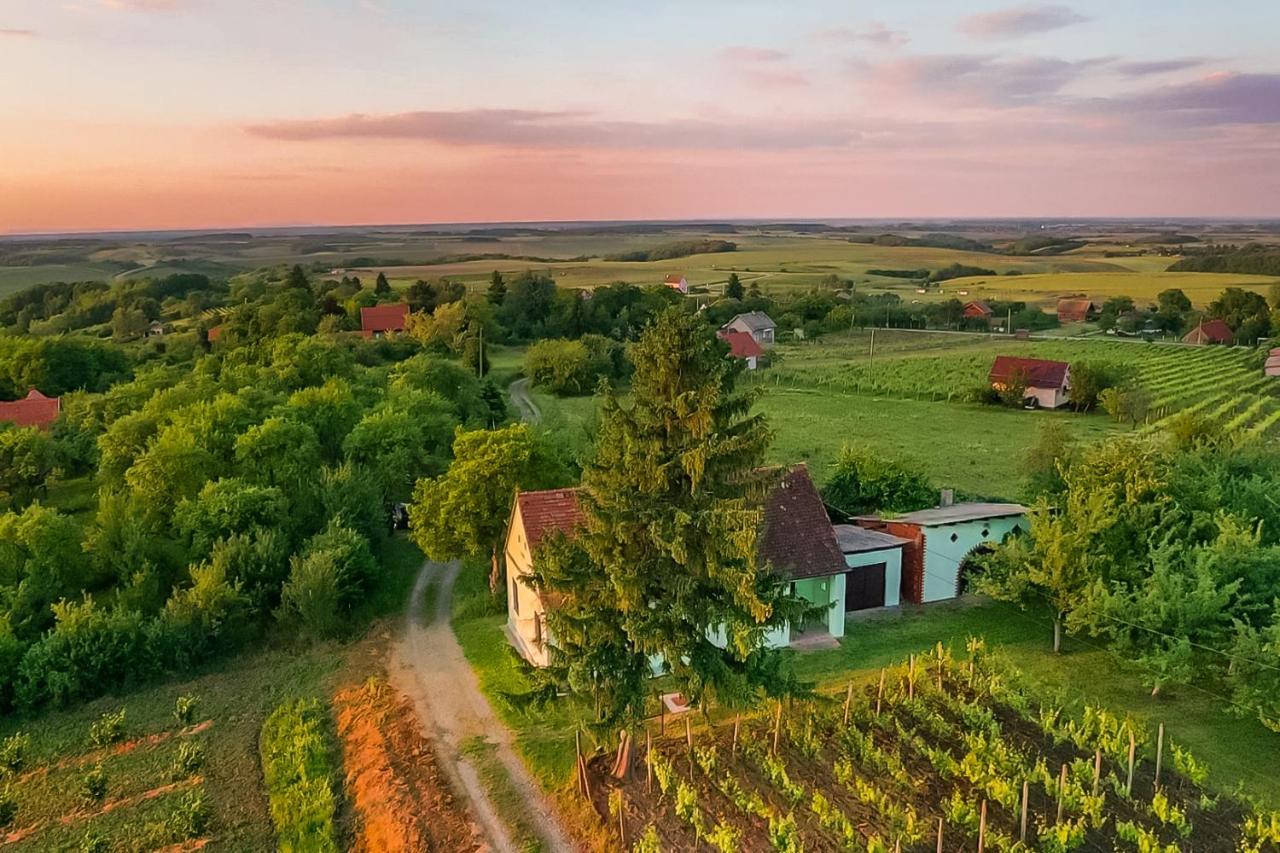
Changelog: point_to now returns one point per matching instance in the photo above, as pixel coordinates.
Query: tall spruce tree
(497, 288)
(667, 563)
(381, 286)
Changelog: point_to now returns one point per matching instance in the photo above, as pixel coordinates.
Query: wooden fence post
(737, 720)
(941, 821)
(1022, 835)
(648, 761)
(1133, 747)
(1062, 792)
(1097, 769)
(848, 698)
(1159, 754)
(880, 691)
(911, 677)
(777, 729)
(982, 827)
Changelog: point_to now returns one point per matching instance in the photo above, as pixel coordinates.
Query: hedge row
(298, 767)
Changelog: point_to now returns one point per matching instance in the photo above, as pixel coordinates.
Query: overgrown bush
(312, 597)
(862, 481)
(8, 808)
(298, 768)
(107, 729)
(184, 709)
(93, 787)
(13, 753)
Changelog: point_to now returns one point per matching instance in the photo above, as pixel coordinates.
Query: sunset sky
(118, 114)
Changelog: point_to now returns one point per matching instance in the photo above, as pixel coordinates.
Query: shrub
(13, 753)
(184, 709)
(94, 842)
(107, 729)
(862, 481)
(299, 773)
(312, 596)
(90, 650)
(187, 762)
(93, 787)
(189, 818)
(8, 808)
(356, 566)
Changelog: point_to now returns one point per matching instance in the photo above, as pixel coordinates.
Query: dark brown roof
(35, 409)
(1210, 332)
(741, 344)
(798, 539)
(384, 318)
(1038, 372)
(1070, 308)
(542, 512)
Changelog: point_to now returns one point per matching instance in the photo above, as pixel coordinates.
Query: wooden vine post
(982, 827)
(911, 677)
(662, 714)
(939, 666)
(622, 815)
(648, 761)
(941, 821)
(1133, 748)
(880, 692)
(1097, 769)
(737, 721)
(1062, 792)
(777, 728)
(584, 784)
(848, 698)
(1159, 754)
(1022, 833)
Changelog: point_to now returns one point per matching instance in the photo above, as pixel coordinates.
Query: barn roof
(674, 278)
(741, 344)
(960, 513)
(1039, 372)
(797, 540)
(384, 318)
(35, 409)
(1210, 332)
(1074, 307)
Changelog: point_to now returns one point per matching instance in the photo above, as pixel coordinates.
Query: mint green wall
(826, 592)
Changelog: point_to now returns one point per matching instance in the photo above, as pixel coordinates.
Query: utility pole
(480, 360)
(873, 344)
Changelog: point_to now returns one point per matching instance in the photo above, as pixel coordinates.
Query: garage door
(864, 587)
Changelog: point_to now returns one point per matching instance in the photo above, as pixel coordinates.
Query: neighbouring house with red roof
(757, 324)
(214, 333)
(743, 346)
(976, 310)
(383, 321)
(1075, 309)
(1272, 367)
(797, 540)
(676, 281)
(1048, 383)
(35, 410)
(1210, 332)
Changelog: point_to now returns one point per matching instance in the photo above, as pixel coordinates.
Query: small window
(954, 537)
(515, 597)
(985, 533)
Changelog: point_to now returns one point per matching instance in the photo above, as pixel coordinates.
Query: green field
(1143, 285)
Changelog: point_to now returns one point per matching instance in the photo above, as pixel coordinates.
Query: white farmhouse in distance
(757, 324)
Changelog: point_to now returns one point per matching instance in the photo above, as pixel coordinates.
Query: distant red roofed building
(1075, 310)
(215, 332)
(1210, 332)
(35, 410)
(1047, 382)
(383, 321)
(977, 309)
(1272, 367)
(676, 282)
(743, 346)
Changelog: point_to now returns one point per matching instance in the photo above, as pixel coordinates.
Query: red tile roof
(674, 278)
(214, 333)
(542, 512)
(1210, 332)
(741, 344)
(384, 318)
(35, 409)
(1038, 372)
(798, 538)
(977, 308)
(1074, 310)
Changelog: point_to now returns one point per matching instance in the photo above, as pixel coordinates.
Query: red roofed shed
(977, 309)
(742, 345)
(1210, 332)
(380, 321)
(35, 410)
(1075, 310)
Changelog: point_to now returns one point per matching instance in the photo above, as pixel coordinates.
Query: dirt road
(429, 667)
(519, 391)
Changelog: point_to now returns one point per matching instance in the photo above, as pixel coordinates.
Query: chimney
(947, 498)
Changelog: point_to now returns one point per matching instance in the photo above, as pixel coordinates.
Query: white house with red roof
(1046, 383)
(383, 321)
(675, 281)
(33, 410)
(797, 540)
(743, 346)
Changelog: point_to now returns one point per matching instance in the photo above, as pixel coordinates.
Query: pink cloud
(874, 33)
(748, 54)
(1021, 21)
(16, 33)
(141, 5)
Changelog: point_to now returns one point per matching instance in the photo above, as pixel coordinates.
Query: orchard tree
(668, 558)
(464, 510)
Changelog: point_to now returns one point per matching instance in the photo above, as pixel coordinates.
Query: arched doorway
(970, 568)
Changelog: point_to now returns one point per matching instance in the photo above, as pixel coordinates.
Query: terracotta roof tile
(798, 539)
(1210, 332)
(384, 318)
(741, 344)
(554, 509)
(35, 409)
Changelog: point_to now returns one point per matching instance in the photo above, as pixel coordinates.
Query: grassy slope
(237, 694)
(1238, 750)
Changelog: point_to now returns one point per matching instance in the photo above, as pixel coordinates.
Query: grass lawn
(1239, 750)
(976, 449)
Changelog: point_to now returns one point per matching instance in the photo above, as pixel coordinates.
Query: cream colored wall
(524, 607)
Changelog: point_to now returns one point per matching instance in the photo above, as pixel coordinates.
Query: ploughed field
(941, 747)
(1223, 384)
